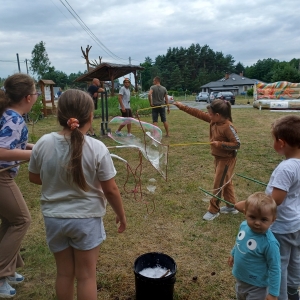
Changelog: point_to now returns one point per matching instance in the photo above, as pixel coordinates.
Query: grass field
(168, 220)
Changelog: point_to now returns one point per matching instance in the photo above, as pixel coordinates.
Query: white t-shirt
(61, 198)
(286, 177)
(125, 97)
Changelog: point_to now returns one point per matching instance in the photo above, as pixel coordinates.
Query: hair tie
(73, 123)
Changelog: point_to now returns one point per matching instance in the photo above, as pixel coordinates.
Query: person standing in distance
(124, 106)
(158, 96)
(93, 90)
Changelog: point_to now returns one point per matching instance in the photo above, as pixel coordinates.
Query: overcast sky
(248, 30)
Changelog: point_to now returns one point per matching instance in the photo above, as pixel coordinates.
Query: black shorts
(95, 100)
(127, 113)
(159, 111)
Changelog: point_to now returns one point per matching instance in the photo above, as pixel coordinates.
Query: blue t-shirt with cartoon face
(257, 259)
(13, 135)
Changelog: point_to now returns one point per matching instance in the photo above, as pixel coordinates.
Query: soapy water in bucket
(156, 272)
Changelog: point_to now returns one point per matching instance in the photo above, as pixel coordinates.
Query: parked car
(143, 95)
(226, 96)
(202, 96)
(212, 96)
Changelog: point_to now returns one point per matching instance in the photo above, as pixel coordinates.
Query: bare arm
(35, 178)
(278, 195)
(150, 97)
(167, 102)
(29, 146)
(230, 261)
(14, 154)
(120, 98)
(113, 197)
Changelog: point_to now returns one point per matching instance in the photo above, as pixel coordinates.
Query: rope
(203, 190)
(15, 165)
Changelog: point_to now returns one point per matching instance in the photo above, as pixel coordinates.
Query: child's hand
(122, 225)
(240, 206)
(270, 297)
(215, 143)
(230, 261)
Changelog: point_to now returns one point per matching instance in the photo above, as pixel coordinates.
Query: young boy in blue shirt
(284, 186)
(255, 257)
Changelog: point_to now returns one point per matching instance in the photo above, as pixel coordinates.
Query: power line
(89, 32)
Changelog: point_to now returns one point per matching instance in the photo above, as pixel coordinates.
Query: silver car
(202, 96)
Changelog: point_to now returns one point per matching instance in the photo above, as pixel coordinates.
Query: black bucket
(154, 288)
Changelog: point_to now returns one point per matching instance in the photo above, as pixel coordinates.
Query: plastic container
(154, 288)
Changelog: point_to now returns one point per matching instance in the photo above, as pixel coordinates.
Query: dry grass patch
(175, 227)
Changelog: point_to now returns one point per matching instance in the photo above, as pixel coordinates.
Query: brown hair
(221, 107)
(287, 128)
(156, 78)
(16, 87)
(75, 104)
(261, 201)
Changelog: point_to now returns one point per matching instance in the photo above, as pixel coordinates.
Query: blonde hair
(261, 201)
(79, 105)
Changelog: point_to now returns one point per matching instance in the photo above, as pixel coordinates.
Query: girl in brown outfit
(224, 143)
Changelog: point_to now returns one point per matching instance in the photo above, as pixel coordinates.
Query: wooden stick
(164, 275)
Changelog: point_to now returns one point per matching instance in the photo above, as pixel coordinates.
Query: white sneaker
(6, 291)
(209, 216)
(16, 279)
(130, 135)
(118, 133)
(228, 210)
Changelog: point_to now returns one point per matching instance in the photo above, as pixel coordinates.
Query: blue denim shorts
(81, 234)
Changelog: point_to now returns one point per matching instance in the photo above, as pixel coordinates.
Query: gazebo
(110, 72)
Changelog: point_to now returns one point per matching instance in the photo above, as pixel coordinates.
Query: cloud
(137, 29)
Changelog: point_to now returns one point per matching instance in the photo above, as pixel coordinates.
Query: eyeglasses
(36, 94)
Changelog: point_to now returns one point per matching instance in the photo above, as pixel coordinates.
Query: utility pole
(18, 63)
(26, 65)
(130, 64)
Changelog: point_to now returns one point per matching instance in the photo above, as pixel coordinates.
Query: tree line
(181, 69)
(187, 69)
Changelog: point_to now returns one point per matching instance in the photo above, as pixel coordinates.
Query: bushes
(113, 106)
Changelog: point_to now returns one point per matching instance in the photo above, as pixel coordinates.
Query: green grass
(168, 220)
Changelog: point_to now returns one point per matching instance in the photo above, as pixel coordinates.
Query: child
(255, 257)
(77, 176)
(224, 144)
(124, 106)
(16, 99)
(284, 186)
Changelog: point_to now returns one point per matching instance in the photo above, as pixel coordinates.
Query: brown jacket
(224, 133)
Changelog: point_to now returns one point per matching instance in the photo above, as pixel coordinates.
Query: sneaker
(88, 134)
(209, 216)
(94, 136)
(228, 210)
(18, 278)
(118, 133)
(130, 135)
(6, 291)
